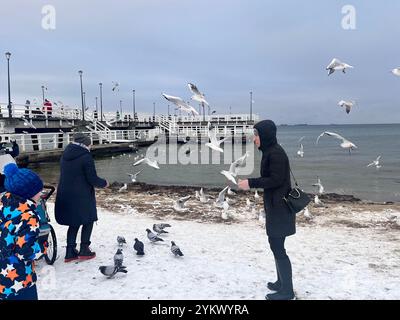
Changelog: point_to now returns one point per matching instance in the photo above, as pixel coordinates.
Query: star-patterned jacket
(19, 247)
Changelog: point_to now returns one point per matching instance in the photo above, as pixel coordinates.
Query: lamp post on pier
(8, 56)
(134, 105)
(83, 102)
(43, 88)
(101, 101)
(251, 105)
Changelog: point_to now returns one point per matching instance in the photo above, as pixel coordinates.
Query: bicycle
(47, 232)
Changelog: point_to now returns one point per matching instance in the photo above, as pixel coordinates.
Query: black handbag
(296, 199)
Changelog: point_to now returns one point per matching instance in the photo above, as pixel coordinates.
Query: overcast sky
(277, 49)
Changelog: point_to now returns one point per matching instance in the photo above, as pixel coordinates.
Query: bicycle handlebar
(50, 193)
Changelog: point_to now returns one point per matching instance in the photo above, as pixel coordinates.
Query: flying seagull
(346, 144)
(347, 104)
(396, 72)
(182, 105)
(234, 168)
(115, 86)
(151, 163)
(197, 95)
(134, 176)
(376, 163)
(214, 144)
(337, 65)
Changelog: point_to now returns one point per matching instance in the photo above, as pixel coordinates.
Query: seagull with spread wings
(234, 168)
(214, 144)
(348, 105)
(182, 105)
(346, 144)
(197, 95)
(337, 65)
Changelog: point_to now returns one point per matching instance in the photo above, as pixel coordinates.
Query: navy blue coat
(76, 202)
(275, 180)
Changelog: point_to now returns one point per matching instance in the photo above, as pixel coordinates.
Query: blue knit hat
(22, 182)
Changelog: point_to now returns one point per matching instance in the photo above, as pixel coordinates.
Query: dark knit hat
(82, 138)
(22, 182)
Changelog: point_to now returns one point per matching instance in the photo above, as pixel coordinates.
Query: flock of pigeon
(111, 270)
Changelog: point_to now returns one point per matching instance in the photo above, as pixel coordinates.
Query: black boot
(275, 286)
(71, 253)
(285, 273)
(85, 253)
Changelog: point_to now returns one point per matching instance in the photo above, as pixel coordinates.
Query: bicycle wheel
(51, 254)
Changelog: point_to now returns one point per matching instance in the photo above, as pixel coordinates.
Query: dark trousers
(277, 246)
(26, 294)
(85, 235)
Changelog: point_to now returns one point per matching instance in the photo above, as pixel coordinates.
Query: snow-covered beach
(348, 250)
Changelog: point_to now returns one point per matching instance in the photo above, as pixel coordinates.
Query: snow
(226, 261)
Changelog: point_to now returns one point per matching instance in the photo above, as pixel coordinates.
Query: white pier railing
(32, 142)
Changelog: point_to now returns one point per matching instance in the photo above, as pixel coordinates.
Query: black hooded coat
(275, 180)
(76, 201)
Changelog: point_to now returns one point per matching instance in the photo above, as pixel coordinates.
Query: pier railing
(31, 142)
(148, 118)
(60, 111)
(39, 111)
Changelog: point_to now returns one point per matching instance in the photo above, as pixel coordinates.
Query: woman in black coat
(76, 202)
(280, 222)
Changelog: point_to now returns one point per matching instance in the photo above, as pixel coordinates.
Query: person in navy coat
(75, 204)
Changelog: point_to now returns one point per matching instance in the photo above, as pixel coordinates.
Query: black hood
(73, 151)
(267, 131)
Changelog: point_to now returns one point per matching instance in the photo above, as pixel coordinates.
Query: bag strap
(295, 181)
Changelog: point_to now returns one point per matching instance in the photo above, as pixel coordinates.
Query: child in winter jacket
(19, 231)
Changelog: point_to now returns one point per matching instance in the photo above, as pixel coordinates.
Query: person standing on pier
(280, 221)
(47, 108)
(75, 204)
